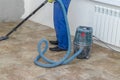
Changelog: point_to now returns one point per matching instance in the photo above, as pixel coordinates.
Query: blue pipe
(65, 59)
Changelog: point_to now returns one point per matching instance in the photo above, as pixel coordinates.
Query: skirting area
(18, 52)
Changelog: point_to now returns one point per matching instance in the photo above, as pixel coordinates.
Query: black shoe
(56, 49)
(54, 42)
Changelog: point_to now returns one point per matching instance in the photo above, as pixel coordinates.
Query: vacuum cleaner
(82, 42)
(83, 38)
(82, 45)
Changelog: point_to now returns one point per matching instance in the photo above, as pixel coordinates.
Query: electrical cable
(106, 44)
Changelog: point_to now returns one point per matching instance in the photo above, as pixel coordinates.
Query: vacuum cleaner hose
(65, 59)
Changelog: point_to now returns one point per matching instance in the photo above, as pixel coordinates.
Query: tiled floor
(18, 52)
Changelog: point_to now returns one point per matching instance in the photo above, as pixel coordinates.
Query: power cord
(106, 44)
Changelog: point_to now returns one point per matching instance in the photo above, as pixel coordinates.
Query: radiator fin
(106, 25)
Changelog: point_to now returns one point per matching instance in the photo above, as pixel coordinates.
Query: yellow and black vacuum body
(83, 39)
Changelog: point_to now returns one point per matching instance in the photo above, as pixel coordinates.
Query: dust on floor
(19, 51)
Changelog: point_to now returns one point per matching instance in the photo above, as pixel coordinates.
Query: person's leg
(60, 25)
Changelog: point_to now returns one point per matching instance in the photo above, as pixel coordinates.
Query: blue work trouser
(60, 25)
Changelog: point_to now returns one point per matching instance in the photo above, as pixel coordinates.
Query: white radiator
(106, 25)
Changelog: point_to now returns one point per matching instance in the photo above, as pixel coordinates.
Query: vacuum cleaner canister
(83, 39)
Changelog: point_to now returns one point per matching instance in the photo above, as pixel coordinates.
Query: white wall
(11, 10)
(80, 13)
(43, 16)
(111, 2)
(26, 8)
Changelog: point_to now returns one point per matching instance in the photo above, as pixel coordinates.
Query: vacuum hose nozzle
(3, 38)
